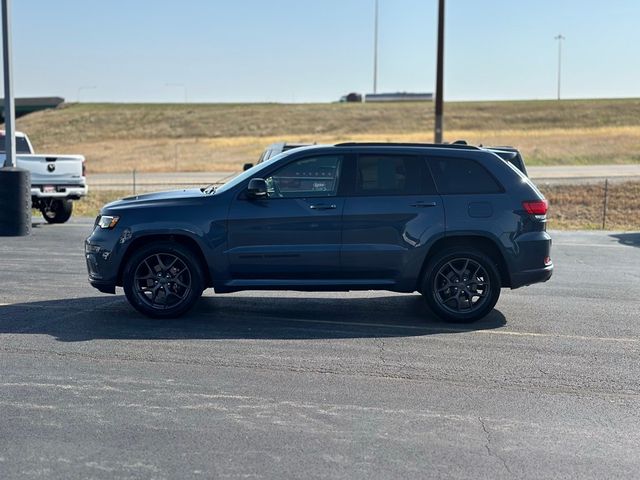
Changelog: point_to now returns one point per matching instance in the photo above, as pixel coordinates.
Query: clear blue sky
(308, 51)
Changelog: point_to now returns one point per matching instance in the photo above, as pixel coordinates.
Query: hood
(157, 198)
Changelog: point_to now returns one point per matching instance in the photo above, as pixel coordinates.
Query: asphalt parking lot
(319, 385)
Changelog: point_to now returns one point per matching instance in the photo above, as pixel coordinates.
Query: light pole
(375, 48)
(559, 38)
(9, 113)
(85, 87)
(15, 183)
(179, 85)
(440, 76)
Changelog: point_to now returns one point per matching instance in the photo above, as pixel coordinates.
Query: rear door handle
(322, 206)
(424, 204)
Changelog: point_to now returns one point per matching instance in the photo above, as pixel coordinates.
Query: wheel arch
(483, 243)
(182, 239)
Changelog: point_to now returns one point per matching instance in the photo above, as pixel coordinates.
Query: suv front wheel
(461, 284)
(163, 280)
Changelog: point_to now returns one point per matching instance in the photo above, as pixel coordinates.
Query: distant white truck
(56, 180)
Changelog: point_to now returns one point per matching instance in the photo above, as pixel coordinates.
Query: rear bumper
(529, 277)
(62, 191)
(531, 262)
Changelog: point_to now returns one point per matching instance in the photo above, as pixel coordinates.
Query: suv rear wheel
(461, 284)
(163, 280)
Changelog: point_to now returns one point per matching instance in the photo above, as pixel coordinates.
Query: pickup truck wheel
(163, 280)
(57, 211)
(461, 285)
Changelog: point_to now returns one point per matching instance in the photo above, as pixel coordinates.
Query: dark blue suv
(454, 222)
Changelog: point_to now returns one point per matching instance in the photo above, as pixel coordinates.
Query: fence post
(134, 181)
(605, 202)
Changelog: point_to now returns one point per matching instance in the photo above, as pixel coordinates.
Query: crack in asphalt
(363, 371)
(381, 352)
(490, 450)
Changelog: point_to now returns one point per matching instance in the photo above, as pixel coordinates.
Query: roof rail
(457, 146)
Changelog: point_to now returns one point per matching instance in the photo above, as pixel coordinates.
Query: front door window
(307, 177)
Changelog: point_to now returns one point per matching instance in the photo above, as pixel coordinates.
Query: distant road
(550, 175)
(584, 173)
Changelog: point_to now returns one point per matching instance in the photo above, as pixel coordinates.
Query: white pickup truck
(56, 180)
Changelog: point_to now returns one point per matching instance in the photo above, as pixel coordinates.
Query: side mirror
(257, 188)
(247, 166)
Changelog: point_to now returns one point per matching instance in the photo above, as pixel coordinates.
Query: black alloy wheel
(461, 285)
(163, 280)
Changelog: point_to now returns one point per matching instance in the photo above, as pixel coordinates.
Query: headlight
(107, 221)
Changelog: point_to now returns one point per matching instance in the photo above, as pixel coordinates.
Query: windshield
(251, 172)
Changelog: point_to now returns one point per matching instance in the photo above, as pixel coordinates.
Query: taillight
(536, 207)
(84, 168)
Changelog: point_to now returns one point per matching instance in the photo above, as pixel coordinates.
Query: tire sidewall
(447, 255)
(185, 255)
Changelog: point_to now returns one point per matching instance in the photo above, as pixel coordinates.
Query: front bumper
(102, 287)
(103, 252)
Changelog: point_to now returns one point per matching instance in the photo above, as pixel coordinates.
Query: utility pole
(440, 75)
(375, 49)
(560, 38)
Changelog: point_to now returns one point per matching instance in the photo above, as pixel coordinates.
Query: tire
(57, 211)
(461, 285)
(163, 280)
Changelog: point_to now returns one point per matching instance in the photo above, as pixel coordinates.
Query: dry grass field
(582, 206)
(220, 137)
(571, 206)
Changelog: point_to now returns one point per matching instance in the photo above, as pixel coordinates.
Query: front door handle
(424, 204)
(322, 206)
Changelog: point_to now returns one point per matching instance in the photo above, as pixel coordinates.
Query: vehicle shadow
(235, 317)
(631, 239)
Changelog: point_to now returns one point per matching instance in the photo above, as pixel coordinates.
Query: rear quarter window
(459, 176)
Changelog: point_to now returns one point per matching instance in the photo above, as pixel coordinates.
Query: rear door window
(392, 175)
(459, 176)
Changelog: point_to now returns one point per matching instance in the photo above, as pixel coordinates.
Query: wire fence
(609, 204)
(134, 183)
(606, 205)
(137, 188)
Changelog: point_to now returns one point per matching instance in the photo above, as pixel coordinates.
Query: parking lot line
(590, 245)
